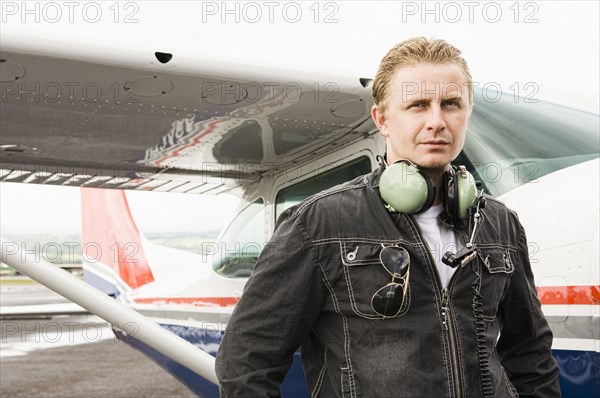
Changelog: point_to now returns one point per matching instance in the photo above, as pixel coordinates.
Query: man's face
(427, 115)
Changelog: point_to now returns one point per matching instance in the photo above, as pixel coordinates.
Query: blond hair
(411, 52)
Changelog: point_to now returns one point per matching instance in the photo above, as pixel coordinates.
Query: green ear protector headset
(405, 189)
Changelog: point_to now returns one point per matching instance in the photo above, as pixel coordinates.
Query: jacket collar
(372, 179)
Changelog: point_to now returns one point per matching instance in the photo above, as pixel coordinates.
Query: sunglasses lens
(387, 301)
(395, 259)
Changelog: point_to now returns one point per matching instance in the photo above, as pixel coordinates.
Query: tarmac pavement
(70, 355)
(103, 367)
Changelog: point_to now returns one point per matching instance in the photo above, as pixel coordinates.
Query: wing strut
(110, 310)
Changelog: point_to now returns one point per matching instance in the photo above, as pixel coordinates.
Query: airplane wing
(93, 116)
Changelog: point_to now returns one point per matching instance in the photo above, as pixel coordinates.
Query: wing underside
(136, 123)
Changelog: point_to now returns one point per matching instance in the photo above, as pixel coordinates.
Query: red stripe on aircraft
(556, 295)
(195, 301)
(553, 295)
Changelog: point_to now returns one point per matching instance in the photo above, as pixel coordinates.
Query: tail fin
(110, 237)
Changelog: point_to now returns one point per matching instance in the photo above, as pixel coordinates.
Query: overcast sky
(552, 44)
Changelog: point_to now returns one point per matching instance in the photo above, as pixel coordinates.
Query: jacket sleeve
(525, 342)
(280, 303)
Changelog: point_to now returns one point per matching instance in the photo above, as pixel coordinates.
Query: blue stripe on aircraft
(579, 370)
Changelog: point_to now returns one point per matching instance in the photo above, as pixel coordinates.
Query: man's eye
(418, 105)
(451, 103)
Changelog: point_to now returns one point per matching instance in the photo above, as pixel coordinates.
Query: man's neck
(437, 177)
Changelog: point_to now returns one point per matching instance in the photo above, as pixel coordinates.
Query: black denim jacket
(485, 336)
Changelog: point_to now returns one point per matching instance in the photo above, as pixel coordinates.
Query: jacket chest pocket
(497, 266)
(364, 275)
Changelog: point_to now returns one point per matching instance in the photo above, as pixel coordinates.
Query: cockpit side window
(294, 194)
(242, 242)
(244, 239)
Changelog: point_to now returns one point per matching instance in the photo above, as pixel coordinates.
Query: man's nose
(435, 119)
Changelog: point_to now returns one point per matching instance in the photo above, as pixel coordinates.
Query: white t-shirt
(440, 239)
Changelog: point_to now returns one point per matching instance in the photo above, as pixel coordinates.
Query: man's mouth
(435, 143)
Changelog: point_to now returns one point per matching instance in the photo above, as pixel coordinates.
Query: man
(363, 286)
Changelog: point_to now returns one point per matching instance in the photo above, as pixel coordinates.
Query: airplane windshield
(510, 144)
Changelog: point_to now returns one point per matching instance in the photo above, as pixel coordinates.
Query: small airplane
(166, 122)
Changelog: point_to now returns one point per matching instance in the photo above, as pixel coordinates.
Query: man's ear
(379, 119)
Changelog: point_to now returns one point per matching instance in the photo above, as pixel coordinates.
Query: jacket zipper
(447, 318)
(447, 323)
(449, 327)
